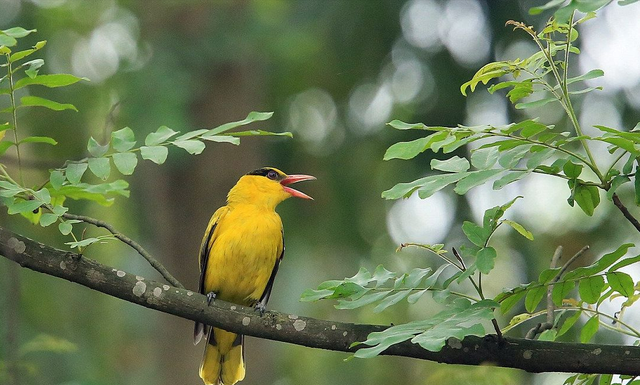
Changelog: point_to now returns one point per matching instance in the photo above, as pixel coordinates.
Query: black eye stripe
(267, 172)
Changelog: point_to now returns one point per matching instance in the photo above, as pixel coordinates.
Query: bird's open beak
(293, 179)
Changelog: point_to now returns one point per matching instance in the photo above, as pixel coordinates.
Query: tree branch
(625, 211)
(532, 356)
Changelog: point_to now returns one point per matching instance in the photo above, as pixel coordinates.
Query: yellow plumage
(239, 257)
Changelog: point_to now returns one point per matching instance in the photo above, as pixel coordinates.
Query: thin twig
(625, 211)
(543, 326)
(152, 261)
(550, 305)
(565, 267)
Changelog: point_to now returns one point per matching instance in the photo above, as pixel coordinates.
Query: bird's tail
(223, 361)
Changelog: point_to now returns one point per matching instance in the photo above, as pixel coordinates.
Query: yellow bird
(239, 258)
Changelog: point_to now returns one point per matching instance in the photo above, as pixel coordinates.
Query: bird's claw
(260, 308)
(211, 296)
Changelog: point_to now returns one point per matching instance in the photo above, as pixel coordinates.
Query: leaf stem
(14, 116)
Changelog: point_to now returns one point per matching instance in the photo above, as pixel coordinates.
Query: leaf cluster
(89, 178)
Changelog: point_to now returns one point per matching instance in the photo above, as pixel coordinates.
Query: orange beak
(293, 179)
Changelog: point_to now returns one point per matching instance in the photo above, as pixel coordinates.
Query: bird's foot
(211, 296)
(260, 308)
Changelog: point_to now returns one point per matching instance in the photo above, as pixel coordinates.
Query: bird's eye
(272, 175)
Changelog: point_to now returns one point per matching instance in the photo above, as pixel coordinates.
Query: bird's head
(266, 186)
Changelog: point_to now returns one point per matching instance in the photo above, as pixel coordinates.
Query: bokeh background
(334, 72)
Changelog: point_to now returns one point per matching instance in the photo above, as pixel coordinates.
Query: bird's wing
(267, 290)
(207, 241)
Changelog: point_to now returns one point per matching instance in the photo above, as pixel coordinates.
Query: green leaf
(47, 219)
(8, 189)
(192, 146)
(382, 275)
(400, 125)
(548, 335)
(74, 172)
(596, 73)
(5, 145)
(162, 134)
(253, 133)
(407, 150)
(606, 379)
(23, 206)
(123, 139)
(568, 323)
(415, 277)
(391, 300)
(511, 301)
(43, 195)
(125, 162)
(362, 301)
(362, 277)
(511, 157)
(34, 67)
(572, 170)
(310, 295)
(589, 329)
(484, 158)
(560, 291)
(485, 259)
(65, 228)
(539, 157)
(520, 229)
(222, 139)
(192, 134)
(534, 296)
(476, 234)
(547, 275)
(591, 288)
(621, 282)
(6, 41)
(18, 32)
(520, 90)
(550, 4)
(601, 264)
(625, 262)
(156, 154)
(413, 298)
(22, 54)
(532, 128)
(252, 117)
(100, 167)
(83, 243)
(587, 197)
(474, 179)
(454, 164)
(39, 139)
(34, 101)
(96, 149)
(537, 103)
(428, 186)
(509, 178)
(484, 75)
(51, 81)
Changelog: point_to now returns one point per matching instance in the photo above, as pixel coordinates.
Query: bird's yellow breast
(243, 252)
